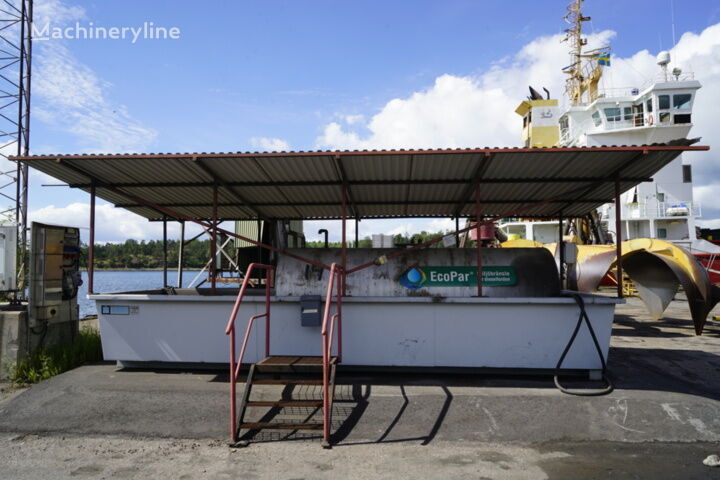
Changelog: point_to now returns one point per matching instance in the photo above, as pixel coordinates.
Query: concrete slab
(666, 392)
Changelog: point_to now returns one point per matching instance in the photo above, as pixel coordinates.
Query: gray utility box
(311, 310)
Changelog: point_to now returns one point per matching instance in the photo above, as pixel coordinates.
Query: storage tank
(441, 272)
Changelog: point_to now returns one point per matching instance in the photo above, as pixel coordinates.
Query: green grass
(48, 362)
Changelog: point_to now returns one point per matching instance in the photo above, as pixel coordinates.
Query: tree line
(147, 254)
(133, 254)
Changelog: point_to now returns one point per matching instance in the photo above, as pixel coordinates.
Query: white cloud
(268, 144)
(55, 12)
(113, 224)
(70, 97)
(443, 225)
(402, 229)
(354, 119)
(461, 111)
(472, 111)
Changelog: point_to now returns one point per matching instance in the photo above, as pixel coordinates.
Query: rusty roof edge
(680, 144)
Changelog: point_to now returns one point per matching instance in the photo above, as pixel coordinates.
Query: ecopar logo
(457, 276)
(413, 278)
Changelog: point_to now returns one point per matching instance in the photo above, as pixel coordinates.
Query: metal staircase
(292, 373)
(289, 372)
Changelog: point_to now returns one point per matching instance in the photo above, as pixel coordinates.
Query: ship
(657, 112)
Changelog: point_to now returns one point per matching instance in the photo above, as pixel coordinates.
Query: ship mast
(584, 73)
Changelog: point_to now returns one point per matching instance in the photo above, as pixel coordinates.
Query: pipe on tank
(321, 231)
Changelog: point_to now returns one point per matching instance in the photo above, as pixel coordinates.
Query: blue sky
(249, 74)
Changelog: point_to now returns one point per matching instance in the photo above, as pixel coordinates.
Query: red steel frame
(230, 330)
(478, 242)
(337, 278)
(328, 329)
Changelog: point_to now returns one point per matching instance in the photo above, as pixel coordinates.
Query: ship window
(682, 118)
(687, 173)
(664, 117)
(682, 101)
(649, 105)
(627, 113)
(660, 197)
(663, 102)
(596, 118)
(662, 233)
(612, 114)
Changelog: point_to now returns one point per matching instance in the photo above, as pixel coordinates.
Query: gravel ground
(59, 457)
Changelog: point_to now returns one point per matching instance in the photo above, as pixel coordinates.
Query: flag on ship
(603, 59)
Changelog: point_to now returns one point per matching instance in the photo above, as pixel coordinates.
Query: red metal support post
(268, 274)
(343, 243)
(477, 240)
(165, 252)
(91, 243)
(341, 283)
(618, 240)
(213, 240)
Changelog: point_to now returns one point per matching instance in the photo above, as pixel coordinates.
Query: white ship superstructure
(659, 112)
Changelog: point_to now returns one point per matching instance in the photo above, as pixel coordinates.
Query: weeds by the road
(47, 362)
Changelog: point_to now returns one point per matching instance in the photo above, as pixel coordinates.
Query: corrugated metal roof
(381, 184)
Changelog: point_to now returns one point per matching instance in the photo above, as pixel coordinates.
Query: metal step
(285, 381)
(285, 403)
(281, 426)
(288, 360)
(291, 364)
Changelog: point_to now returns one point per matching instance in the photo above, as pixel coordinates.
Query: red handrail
(230, 330)
(328, 329)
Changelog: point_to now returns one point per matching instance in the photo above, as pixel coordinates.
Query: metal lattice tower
(15, 73)
(584, 70)
(573, 35)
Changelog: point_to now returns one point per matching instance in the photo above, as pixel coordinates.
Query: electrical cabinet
(54, 273)
(8, 255)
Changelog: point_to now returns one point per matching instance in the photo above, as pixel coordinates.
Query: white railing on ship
(617, 92)
(669, 77)
(663, 209)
